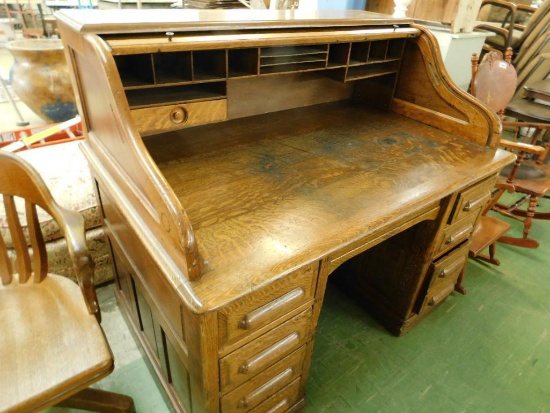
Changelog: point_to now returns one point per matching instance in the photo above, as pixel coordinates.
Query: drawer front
(281, 401)
(472, 199)
(265, 384)
(445, 273)
(258, 310)
(446, 269)
(253, 358)
(457, 233)
(170, 117)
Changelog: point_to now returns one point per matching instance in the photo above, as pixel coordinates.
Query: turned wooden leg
(529, 216)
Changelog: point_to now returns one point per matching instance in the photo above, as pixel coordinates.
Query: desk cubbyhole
(209, 65)
(372, 70)
(339, 53)
(359, 53)
(242, 62)
(135, 70)
(378, 51)
(293, 58)
(395, 49)
(138, 98)
(173, 67)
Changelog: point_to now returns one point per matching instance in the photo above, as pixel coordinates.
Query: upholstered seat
(65, 171)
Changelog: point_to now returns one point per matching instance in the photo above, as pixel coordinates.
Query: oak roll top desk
(241, 157)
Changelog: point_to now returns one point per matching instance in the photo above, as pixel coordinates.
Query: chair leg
(525, 241)
(101, 401)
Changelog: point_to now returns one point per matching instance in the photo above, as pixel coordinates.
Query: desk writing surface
(274, 192)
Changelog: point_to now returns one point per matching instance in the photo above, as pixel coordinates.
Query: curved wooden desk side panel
(428, 95)
(122, 154)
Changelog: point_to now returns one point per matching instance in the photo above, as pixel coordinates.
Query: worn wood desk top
(268, 194)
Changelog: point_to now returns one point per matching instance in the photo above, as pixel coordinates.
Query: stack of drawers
(452, 246)
(263, 341)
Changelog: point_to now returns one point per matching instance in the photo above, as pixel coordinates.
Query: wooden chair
(509, 31)
(53, 347)
(528, 175)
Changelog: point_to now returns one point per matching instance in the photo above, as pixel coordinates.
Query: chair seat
(40, 321)
(528, 110)
(536, 187)
(488, 230)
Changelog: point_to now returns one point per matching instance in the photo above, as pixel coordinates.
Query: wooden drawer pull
(270, 354)
(439, 297)
(463, 233)
(453, 267)
(263, 314)
(266, 389)
(472, 204)
(280, 407)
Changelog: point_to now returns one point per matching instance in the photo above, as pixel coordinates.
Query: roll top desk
(242, 157)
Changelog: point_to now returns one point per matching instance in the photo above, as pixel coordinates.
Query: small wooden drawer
(265, 384)
(253, 358)
(256, 311)
(282, 401)
(170, 117)
(445, 272)
(446, 269)
(437, 295)
(472, 199)
(456, 233)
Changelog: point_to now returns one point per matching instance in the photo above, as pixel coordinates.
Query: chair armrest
(72, 224)
(522, 147)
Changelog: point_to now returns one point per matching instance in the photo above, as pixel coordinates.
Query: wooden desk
(242, 157)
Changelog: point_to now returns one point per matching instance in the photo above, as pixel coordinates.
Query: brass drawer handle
(453, 267)
(473, 204)
(270, 354)
(263, 314)
(267, 389)
(463, 233)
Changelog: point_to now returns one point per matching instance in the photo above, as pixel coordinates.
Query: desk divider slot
(135, 70)
(172, 67)
(176, 94)
(242, 62)
(209, 65)
(282, 59)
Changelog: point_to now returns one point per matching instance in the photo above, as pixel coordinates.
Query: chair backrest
(20, 180)
(494, 81)
(537, 69)
(538, 25)
(526, 54)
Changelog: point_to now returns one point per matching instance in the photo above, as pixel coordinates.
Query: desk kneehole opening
(179, 115)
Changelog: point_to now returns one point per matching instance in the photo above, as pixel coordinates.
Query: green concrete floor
(488, 351)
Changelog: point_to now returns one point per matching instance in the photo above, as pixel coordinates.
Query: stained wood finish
(345, 146)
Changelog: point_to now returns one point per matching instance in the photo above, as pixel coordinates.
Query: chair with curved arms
(492, 83)
(53, 347)
(507, 32)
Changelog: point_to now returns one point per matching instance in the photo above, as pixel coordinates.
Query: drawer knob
(178, 115)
